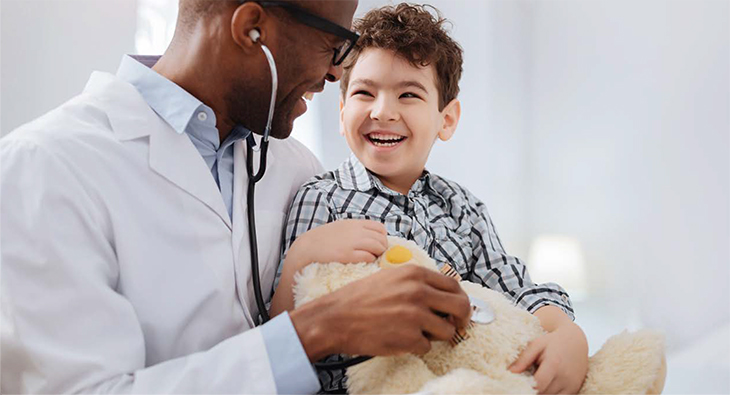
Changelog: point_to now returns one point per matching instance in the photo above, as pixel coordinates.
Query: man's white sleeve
(64, 327)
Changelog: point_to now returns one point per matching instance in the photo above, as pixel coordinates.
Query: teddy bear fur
(628, 363)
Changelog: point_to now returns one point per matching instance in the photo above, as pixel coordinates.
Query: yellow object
(398, 254)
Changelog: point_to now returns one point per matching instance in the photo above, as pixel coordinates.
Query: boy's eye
(361, 92)
(410, 95)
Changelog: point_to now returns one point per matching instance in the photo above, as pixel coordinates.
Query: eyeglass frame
(317, 22)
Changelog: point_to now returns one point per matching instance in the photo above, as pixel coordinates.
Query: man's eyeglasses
(307, 18)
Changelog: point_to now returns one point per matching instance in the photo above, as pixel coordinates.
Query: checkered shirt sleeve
(494, 268)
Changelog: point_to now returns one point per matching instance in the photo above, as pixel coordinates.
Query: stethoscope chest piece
(481, 312)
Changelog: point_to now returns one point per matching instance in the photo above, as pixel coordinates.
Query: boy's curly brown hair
(415, 34)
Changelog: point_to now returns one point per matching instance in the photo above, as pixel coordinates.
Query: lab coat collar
(124, 106)
(170, 101)
(171, 155)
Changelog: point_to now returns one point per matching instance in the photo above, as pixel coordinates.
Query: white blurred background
(597, 132)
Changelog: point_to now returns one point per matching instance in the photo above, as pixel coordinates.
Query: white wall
(50, 47)
(629, 151)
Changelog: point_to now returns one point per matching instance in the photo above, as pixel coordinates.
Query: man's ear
(247, 17)
(451, 114)
(342, 116)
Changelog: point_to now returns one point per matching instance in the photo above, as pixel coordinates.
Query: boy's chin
(383, 170)
(379, 167)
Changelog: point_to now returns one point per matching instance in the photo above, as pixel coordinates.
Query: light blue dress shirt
(293, 374)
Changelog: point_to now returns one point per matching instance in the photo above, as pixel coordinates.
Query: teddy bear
(476, 361)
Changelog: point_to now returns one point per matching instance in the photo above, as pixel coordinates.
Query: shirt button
(202, 116)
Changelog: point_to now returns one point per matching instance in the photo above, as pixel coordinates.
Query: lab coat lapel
(174, 157)
(171, 155)
(240, 200)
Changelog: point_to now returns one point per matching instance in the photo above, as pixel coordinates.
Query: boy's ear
(342, 116)
(451, 114)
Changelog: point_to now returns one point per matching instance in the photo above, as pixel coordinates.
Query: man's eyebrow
(402, 84)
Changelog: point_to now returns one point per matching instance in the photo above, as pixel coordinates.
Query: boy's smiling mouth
(384, 139)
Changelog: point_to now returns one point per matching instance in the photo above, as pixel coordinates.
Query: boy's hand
(345, 241)
(561, 357)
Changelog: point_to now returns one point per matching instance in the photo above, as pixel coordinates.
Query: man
(125, 262)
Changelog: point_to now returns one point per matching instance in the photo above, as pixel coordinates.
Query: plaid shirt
(442, 217)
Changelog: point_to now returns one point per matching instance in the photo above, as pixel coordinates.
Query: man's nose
(334, 73)
(383, 110)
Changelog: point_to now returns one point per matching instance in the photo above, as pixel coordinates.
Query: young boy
(399, 90)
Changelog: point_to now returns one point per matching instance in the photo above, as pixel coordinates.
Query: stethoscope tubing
(253, 178)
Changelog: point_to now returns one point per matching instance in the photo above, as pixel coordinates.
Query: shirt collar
(171, 102)
(354, 176)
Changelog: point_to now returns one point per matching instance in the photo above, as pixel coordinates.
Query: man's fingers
(422, 346)
(527, 358)
(444, 283)
(453, 305)
(439, 293)
(437, 327)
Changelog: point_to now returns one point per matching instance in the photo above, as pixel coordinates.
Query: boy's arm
(313, 235)
(496, 269)
(562, 354)
(309, 209)
(552, 318)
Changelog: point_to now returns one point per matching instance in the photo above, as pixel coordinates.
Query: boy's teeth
(308, 95)
(384, 144)
(378, 136)
(385, 140)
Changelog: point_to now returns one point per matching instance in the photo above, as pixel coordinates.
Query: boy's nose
(383, 110)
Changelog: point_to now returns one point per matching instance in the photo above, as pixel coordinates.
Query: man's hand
(561, 357)
(390, 312)
(345, 241)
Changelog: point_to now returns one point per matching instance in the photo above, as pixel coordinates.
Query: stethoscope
(252, 180)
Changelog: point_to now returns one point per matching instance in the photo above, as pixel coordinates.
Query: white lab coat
(121, 269)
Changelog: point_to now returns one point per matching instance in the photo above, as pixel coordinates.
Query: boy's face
(390, 115)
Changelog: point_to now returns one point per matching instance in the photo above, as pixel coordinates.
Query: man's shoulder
(70, 128)
(296, 152)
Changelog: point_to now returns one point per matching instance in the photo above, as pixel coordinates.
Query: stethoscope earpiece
(254, 34)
